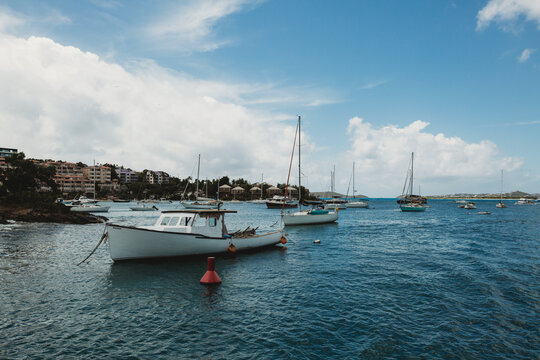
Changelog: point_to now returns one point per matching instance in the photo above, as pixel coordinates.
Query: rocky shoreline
(54, 213)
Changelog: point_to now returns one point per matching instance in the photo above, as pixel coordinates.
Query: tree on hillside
(24, 176)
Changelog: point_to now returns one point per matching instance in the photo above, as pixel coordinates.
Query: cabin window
(165, 221)
(212, 221)
(174, 221)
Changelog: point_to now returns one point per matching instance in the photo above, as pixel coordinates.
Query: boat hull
(90, 209)
(199, 206)
(279, 205)
(341, 206)
(134, 208)
(358, 204)
(412, 208)
(128, 243)
(304, 218)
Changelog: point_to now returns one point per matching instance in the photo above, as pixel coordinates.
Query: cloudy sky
(150, 85)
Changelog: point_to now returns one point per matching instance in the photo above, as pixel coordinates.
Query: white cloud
(525, 55)
(9, 21)
(507, 12)
(443, 164)
(374, 84)
(189, 27)
(60, 102)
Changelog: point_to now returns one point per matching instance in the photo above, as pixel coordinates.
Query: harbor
(379, 282)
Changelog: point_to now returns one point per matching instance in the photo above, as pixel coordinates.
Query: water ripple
(381, 284)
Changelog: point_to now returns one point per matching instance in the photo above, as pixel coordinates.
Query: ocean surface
(381, 284)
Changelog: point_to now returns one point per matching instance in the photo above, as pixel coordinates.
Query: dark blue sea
(381, 284)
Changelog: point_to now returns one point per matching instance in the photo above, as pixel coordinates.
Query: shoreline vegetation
(20, 199)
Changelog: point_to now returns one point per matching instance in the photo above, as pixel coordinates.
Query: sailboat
(500, 204)
(356, 203)
(411, 203)
(260, 200)
(90, 205)
(307, 217)
(335, 202)
(211, 204)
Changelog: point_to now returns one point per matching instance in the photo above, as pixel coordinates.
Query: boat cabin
(208, 222)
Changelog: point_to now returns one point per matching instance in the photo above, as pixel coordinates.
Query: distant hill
(511, 195)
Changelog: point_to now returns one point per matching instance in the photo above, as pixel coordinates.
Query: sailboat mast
(501, 184)
(412, 173)
(299, 162)
(94, 179)
(262, 185)
(353, 191)
(334, 181)
(197, 182)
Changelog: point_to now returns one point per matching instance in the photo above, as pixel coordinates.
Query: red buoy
(211, 276)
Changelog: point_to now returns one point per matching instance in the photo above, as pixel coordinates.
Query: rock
(55, 213)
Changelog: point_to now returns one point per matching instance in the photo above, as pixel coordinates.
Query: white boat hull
(304, 218)
(335, 206)
(90, 208)
(358, 204)
(199, 206)
(137, 243)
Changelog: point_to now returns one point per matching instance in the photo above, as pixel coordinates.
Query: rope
(103, 238)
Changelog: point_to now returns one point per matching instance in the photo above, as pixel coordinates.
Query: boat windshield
(175, 220)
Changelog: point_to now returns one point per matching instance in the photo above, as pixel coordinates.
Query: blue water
(381, 284)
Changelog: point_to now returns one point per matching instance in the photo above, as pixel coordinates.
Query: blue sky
(457, 82)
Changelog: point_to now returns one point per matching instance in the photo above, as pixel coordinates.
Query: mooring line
(103, 238)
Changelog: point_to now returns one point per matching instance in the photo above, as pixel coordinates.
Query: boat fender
(231, 248)
(283, 240)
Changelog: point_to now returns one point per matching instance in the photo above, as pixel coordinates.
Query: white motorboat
(469, 206)
(310, 217)
(90, 208)
(524, 201)
(335, 206)
(201, 205)
(358, 204)
(183, 233)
